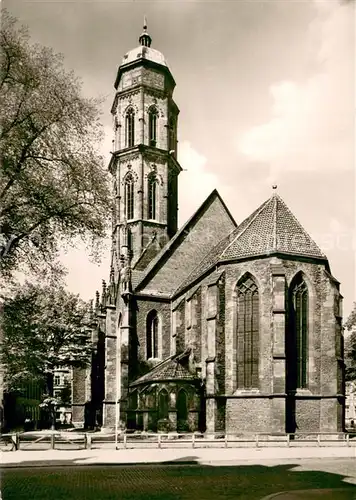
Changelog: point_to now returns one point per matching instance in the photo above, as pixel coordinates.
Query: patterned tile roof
(171, 368)
(272, 228)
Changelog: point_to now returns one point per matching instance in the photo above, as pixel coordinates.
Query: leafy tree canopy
(53, 185)
(43, 327)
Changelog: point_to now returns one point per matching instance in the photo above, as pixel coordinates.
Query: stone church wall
(164, 311)
(248, 415)
(180, 327)
(267, 412)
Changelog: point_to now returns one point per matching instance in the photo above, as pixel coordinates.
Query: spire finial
(145, 38)
(274, 187)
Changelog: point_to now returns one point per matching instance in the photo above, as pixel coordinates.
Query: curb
(132, 461)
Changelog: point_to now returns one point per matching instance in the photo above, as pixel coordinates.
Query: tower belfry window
(129, 197)
(172, 135)
(152, 197)
(130, 128)
(152, 127)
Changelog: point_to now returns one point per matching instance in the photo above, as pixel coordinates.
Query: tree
(44, 327)
(53, 187)
(350, 346)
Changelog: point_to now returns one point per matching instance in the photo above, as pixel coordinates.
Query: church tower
(144, 162)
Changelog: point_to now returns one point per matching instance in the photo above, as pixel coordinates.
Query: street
(181, 481)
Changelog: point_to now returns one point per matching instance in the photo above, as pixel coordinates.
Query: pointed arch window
(299, 303)
(152, 197)
(130, 128)
(163, 404)
(172, 135)
(152, 126)
(129, 197)
(247, 333)
(132, 409)
(182, 406)
(152, 333)
(133, 400)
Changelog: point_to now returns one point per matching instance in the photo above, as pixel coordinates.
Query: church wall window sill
(246, 392)
(303, 392)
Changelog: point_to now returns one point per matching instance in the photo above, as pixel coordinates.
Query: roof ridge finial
(144, 23)
(274, 190)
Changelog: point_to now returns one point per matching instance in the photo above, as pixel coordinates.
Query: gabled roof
(171, 368)
(271, 229)
(168, 256)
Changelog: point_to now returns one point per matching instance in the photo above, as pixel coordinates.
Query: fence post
(125, 440)
(318, 439)
(225, 440)
(193, 440)
(159, 440)
(348, 439)
(15, 441)
(52, 441)
(288, 440)
(256, 439)
(88, 441)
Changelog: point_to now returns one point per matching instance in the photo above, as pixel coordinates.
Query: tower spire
(145, 38)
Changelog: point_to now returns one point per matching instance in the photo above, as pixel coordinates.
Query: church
(218, 326)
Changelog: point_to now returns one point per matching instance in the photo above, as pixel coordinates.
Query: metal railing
(76, 440)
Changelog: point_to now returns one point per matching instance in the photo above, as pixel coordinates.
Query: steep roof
(171, 368)
(270, 229)
(173, 264)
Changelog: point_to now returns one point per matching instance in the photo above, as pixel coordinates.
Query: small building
(62, 390)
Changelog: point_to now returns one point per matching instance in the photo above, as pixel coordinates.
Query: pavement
(202, 456)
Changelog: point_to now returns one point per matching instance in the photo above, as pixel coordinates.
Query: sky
(266, 91)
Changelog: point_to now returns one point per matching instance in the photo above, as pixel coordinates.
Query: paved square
(173, 482)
